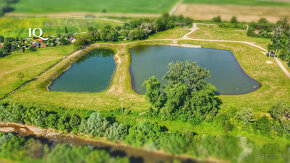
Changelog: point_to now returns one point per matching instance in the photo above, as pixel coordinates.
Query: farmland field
(18, 27)
(242, 2)
(115, 6)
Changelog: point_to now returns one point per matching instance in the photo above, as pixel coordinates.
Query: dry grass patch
(244, 13)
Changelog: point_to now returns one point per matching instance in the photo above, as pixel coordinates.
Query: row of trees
(280, 40)
(156, 137)
(23, 149)
(137, 29)
(261, 28)
(187, 95)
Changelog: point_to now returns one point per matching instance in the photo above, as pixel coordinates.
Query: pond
(92, 73)
(226, 73)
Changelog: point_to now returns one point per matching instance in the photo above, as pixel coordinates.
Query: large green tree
(187, 94)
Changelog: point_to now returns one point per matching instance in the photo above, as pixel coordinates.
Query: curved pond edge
(129, 150)
(235, 59)
(78, 57)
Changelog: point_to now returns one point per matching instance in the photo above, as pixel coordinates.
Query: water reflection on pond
(226, 73)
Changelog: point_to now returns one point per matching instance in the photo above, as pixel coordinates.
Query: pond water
(92, 73)
(226, 73)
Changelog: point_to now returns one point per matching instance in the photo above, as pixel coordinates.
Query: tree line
(155, 137)
(137, 29)
(24, 149)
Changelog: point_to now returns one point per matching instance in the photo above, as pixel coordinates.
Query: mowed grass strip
(18, 27)
(20, 67)
(97, 6)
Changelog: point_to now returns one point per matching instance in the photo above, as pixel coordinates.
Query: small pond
(92, 73)
(226, 73)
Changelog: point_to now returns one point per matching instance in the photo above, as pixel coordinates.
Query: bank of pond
(94, 71)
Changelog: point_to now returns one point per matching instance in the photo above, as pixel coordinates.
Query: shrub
(217, 19)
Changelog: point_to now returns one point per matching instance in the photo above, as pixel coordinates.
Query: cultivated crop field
(18, 27)
(112, 6)
(245, 10)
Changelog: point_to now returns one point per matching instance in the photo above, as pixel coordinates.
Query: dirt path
(171, 12)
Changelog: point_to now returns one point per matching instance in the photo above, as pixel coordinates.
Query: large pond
(92, 73)
(226, 73)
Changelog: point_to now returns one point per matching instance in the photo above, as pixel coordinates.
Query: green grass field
(112, 6)
(29, 64)
(242, 2)
(18, 27)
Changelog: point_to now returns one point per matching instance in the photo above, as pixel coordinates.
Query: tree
(187, 94)
(153, 92)
(65, 29)
(234, 20)
(82, 41)
(1, 38)
(74, 122)
(189, 74)
(263, 125)
(217, 19)
(246, 115)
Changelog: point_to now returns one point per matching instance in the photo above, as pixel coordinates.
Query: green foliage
(234, 20)
(217, 19)
(173, 143)
(263, 125)
(262, 28)
(144, 133)
(23, 149)
(82, 41)
(188, 95)
(137, 29)
(153, 92)
(280, 112)
(246, 115)
(280, 40)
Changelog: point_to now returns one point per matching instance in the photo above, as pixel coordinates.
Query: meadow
(20, 67)
(97, 6)
(18, 27)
